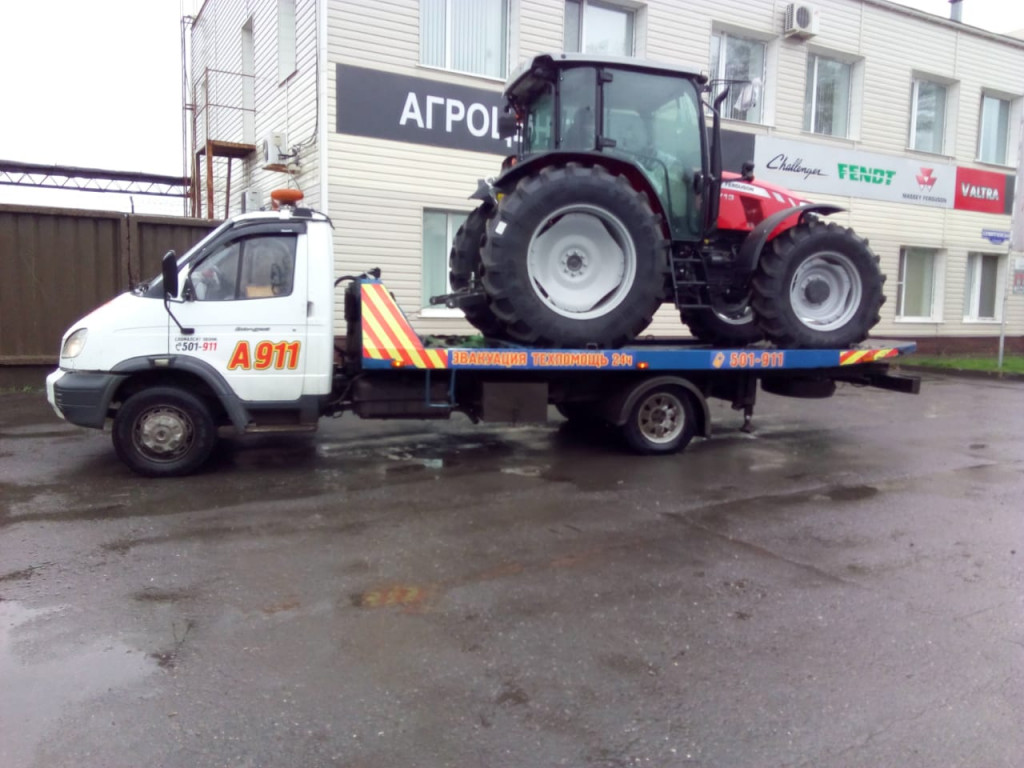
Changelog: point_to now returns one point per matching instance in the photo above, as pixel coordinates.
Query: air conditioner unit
(801, 20)
(273, 148)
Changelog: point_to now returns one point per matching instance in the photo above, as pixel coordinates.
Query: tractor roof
(553, 61)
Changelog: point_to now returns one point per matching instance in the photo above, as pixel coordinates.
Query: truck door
(246, 301)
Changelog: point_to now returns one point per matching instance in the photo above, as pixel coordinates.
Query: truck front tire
(164, 432)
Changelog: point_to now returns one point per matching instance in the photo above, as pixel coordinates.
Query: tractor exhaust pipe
(715, 185)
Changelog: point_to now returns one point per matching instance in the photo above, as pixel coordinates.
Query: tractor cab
(645, 119)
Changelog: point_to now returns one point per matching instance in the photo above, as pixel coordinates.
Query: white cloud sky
(97, 83)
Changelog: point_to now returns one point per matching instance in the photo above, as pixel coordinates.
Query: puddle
(39, 686)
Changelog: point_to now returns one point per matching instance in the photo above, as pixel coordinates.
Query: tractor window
(654, 121)
(578, 93)
(539, 135)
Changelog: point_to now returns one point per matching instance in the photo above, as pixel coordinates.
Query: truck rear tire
(164, 432)
(574, 257)
(818, 286)
(465, 267)
(662, 421)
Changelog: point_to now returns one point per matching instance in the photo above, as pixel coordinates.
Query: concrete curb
(962, 373)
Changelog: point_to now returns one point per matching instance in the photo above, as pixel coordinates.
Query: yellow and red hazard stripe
(387, 335)
(854, 356)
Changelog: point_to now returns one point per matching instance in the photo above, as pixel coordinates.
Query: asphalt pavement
(843, 587)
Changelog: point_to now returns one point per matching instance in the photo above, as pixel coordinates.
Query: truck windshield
(154, 288)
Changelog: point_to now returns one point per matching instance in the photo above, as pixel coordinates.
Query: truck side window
(259, 267)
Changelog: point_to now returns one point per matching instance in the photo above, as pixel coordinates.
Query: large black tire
(465, 266)
(164, 432)
(661, 421)
(818, 286)
(733, 326)
(574, 257)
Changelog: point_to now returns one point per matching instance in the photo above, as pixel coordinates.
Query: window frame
(935, 300)
(767, 65)
(1013, 118)
(508, 34)
(972, 287)
(629, 9)
(853, 110)
(451, 228)
(947, 86)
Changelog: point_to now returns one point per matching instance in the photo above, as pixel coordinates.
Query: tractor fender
(750, 249)
(616, 408)
(180, 368)
(507, 180)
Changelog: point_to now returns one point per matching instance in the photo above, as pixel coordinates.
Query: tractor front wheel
(465, 269)
(818, 286)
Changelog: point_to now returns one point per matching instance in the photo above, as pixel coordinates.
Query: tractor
(615, 202)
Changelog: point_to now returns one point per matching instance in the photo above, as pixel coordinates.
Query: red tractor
(615, 202)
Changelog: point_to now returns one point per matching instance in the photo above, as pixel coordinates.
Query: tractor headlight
(75, 344)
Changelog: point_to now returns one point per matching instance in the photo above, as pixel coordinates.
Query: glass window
(260, 267)
(916, 298)
(286, 62)
(995, 124)
(594, 27)
(465, 35)
(738, 63)
(983, 286)
(539, 131)
(927, 116)
(827, 99)
(439, 228)
(578, 96)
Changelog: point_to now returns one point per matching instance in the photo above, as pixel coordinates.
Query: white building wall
(288, 106)
(379, 189)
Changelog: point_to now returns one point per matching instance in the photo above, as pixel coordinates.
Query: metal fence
(56, 265)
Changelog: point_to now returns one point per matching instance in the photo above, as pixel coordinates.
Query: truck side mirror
(507, 126)
(169, 266)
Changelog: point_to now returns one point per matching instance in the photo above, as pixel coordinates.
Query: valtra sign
(983, 191)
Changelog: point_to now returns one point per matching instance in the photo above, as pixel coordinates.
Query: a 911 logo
(265, 355)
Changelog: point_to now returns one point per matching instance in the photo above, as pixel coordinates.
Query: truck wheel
(573, 257)
(164, 432)
(818, 286)
(731, 325)
(661, 421)
(465, 266)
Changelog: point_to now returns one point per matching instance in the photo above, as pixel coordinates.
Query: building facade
(384, 113)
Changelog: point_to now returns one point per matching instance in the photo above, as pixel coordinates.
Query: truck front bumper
(80, 397)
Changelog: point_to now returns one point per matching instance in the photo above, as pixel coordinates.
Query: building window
(983, 286)
(916, 298)
(286, 62)
(738, 63)
(465, 35)
(994, 131)
(439, 228)
(927, 116)
(827, 99)
(592, 27)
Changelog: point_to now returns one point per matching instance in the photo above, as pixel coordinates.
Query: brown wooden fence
(56, 265)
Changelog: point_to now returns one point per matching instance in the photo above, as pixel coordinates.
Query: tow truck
(238, 336)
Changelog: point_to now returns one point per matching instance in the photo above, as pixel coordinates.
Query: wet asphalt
(841, 588)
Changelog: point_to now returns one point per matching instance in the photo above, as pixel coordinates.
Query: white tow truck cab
(238, 335)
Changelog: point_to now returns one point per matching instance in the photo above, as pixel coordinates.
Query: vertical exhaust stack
(956, 10)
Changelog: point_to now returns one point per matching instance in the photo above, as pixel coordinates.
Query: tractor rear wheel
(574, 257)
(818, 286)
(465, 268)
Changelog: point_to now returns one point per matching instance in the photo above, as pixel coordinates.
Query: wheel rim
(163, 433)
(826, 291)
(661, 418)
(581, 261)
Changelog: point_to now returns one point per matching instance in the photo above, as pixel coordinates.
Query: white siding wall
(378, 190)
(290, 106)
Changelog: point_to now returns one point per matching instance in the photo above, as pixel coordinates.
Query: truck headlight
(75, 344)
